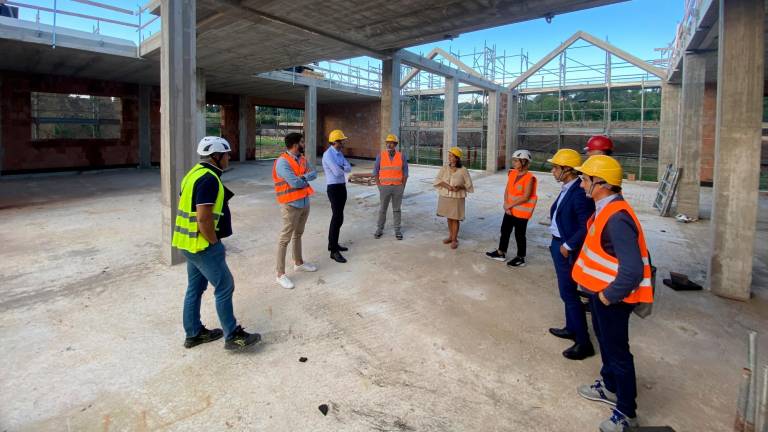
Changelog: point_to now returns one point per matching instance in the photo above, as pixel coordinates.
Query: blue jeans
(575, 317)
(208, 265)
(618, 370)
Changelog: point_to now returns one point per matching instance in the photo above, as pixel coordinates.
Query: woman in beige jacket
(452, 183)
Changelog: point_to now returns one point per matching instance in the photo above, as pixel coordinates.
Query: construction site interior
(97, 130)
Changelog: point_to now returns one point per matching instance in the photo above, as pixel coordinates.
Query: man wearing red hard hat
(599, 145)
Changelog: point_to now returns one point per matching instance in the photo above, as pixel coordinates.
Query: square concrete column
(512, 128)
(145, 127)
(688, 156)
(390, 99)
(310, 125)
(492, 137)
(245, 135)
(2, 153)
(179, 115)
(737, 147)
(670, 120)
(450, 116)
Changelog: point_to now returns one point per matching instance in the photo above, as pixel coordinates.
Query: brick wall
(360, 122)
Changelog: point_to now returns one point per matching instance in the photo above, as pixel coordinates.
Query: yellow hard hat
(336, 135)
(456, 152)
(566, 157)
(391, 138)
(605, 167)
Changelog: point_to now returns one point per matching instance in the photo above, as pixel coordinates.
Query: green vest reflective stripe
(186, 235)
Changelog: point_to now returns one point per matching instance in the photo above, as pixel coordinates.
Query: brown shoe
(454, 244)
(446, 241)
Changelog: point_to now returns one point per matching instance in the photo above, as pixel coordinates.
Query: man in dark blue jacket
(569, 215)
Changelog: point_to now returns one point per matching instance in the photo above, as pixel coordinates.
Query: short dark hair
(292, 139)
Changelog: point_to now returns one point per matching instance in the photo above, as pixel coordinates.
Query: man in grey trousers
(391, 174)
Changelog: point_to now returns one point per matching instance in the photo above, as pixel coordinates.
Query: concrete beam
(689, 134)
(438, 68)
(145, 127)
(670, 120)
(310, 125)
(179, 116)
(740, 84)
(390, 99)
(492, 136)
(297, 79)
(450, 116)
(512, 131)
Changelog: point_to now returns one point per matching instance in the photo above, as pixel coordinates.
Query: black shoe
(579, 352)
(241, 339)
(562, 333)
(516, 262)
(338, 257)
(204, 336)
(399, 236)
(342, 248)
(495, 255)
(378, 234)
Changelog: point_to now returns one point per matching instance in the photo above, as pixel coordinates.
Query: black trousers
(337, 195)
(508, 224)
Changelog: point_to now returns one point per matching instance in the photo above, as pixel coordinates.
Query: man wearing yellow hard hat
(390, 172)
(569, 214)
(335, 166)
(613, 266)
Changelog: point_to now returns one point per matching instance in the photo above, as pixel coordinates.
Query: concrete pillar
(450, 116)
(688, 156)
(390, 99)
(200, 105)
(492, 137)
(145, 127)
(2, 152)
(179, 110)
(670, 120)
(512, 128)
(310, 125)
(242, 127)
(737, 147)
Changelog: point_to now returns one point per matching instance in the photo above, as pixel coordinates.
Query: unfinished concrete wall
(360, 121)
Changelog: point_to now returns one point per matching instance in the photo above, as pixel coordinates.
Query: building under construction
(97, 129)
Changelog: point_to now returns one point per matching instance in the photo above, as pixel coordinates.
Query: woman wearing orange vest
(614, 267)
(519, 202)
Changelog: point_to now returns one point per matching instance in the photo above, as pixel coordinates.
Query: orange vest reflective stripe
(390, 171)
(595, 269)
(284, 192)
(517, 189)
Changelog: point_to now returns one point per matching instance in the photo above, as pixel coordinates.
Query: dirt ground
(407, 336)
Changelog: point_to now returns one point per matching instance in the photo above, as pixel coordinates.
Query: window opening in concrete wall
(75, 116)
(213, 120)
(272, 125)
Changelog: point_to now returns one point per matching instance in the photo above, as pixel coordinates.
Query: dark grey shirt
(619, 239)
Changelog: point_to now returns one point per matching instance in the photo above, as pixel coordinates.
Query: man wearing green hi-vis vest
(202, 220)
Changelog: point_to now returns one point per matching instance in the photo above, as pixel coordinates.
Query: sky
(636, 26)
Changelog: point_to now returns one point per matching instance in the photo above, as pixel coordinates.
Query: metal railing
(127, 22)
(685, 30)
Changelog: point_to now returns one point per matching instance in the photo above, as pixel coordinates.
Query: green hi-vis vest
(186, 235)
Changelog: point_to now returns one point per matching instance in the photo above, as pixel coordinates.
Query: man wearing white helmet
(202, 220)
(519, 202)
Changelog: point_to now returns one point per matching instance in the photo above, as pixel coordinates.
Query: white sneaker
(307, 267)
(284, 282)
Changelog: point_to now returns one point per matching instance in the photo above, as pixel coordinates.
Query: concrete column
(450, 116)
(2, 152)
(688, 156)
(242, 127)
(512, 128)
(179, 110)
(670, 120)
(492, 137)
(737, 147)
(200, 104)
(145, 127)
(310, 125)
(390, 99)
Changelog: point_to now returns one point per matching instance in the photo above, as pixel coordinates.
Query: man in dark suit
(569, 215)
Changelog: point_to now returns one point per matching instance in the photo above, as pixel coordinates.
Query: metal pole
(751, 408)
(763, 410)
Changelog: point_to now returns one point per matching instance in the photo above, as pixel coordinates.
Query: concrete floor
(408, 336)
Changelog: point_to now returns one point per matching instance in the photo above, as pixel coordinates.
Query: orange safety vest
(284, 192)
(595, 269)
(390, 171)
(517, 189)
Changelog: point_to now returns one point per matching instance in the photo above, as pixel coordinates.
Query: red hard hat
(599, 142)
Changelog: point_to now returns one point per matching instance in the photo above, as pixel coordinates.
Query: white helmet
(212, 144)
(522, 154)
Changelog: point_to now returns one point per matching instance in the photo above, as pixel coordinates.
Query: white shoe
(307, 267)
(284, 282)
